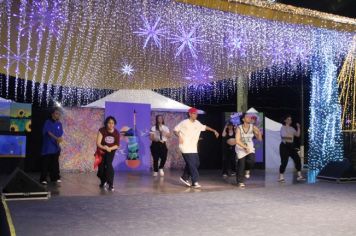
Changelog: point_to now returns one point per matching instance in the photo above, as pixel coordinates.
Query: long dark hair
(285, 117)
(227, 129)
(242, 117)
(157, 124)
(108, 119)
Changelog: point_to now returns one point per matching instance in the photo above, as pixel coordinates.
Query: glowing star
(127, 70)
(44, 16)
(151, 32)
(235, 47)
(199, 77)
(187, 40)
(14, 58)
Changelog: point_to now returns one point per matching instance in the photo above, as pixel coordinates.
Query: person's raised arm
(257, 133)
(212, 130)
(297, 134)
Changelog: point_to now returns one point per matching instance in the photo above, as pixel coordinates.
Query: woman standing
(286, 148)
(245, 148)
(229, 154)
(108, 140)
(159, 136)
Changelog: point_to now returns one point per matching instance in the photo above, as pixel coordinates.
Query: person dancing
(188, 132)
(245, 148)
(159, 136)
(229, 154)
(108, 141)
(287, 149)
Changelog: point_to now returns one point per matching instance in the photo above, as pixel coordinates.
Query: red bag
(98, 157)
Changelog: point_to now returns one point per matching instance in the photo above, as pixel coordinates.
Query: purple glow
(187, 40)
(14, 58)
(151, 32)
(199, 77)
(235, 46)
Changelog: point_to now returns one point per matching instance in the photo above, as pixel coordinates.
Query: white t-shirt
(156, 134)
(246, 138)
(289, 132)
(190, 132)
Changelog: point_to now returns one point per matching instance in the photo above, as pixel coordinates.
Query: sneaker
(196, 185)
(59, 181)
(155, 174)
(242, 185)
(300, 178)
(111, 189)
(281, 180)
(233, 174)
(247, 174)
(224, 175)
(186, 182)
(161, 172)
(44, 182)
(102, 185)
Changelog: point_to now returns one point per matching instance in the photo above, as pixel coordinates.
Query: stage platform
(146, 205)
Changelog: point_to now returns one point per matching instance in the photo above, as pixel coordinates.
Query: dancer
(287, 149)
(229, 154)
(159, 136)
(52, 137)
(188, 132)
(245, 148)
(108, 140)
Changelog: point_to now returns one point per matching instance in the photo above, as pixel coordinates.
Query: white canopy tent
(158, 102)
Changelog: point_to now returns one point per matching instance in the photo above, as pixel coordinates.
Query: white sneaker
(247, 174)
(300, 178)
(59, 181)
(161, 172)
(44, 182)
(186, 182)
(224, 176)
(281, 178)
(242, 185)
(196, 185)
(155, 174)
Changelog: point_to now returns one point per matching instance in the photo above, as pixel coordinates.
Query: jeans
(191, 166)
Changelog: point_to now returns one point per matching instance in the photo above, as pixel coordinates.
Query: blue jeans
(191, 166)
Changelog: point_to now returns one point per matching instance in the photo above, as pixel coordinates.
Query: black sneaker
(102, 185)
(185, 181)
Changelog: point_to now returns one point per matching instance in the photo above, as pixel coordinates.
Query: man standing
(52, 137)
(188, 132)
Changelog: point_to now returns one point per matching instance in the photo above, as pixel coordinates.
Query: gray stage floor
(143, 205)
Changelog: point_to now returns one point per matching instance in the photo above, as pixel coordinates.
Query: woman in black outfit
(229, 154)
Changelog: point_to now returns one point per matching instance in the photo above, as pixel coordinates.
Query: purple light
(187, 40)
(200, 77)
(235, 46)
(151, 32)
(14, 58)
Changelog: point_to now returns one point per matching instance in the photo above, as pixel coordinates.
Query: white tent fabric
(158, 102)
(4, 100)
(272, 141)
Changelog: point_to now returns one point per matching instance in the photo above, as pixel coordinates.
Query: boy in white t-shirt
(188, 132)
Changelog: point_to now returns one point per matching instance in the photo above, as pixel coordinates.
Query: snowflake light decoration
(42, 16)
(187, 39)
(126, 70)
(153, 32)
(235, 46)
(200, 77)
(15, 58)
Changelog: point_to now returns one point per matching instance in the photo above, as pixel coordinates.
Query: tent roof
(158, 102)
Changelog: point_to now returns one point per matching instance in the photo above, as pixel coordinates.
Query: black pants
(50, 163)
(229, 159)
(159, 151)
(106, 170)
(287, 150)
(191, 166)
(245, 163)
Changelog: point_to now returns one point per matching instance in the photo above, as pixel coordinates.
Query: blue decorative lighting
(187, 39)
(325, 136)
(153, 32)
(13, 58)
(200, 76)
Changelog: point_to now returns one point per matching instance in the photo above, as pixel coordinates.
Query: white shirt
(246, 138)
(288, 132)
(156, 134)
(189, 131)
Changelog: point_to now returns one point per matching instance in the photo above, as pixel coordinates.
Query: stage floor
(146, 205)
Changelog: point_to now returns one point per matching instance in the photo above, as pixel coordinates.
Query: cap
(193, 110)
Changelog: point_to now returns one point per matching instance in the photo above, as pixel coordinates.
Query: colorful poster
(257, 119)
(133, 122)
(21, 110)
(12, 146)
(5, 109)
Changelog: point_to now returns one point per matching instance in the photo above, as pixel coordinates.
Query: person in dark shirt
(108, 140)
(52, 137)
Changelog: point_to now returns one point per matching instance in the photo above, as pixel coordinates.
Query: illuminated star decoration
(15, 58)
(44, 16)
(187, 39)
(153, 32)
(199, 77)
(127, 70)
(235, 47)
